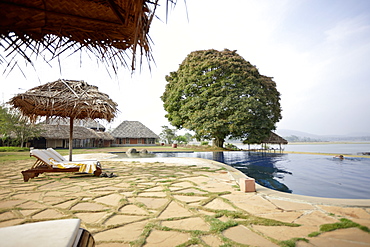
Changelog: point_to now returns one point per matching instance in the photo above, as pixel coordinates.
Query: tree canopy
(218, 95)
(167, 134)
(15, 126)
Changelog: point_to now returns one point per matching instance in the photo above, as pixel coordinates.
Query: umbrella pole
(70, 137)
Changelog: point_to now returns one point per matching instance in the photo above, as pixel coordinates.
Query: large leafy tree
(167, 134)
(16, 126)
(218, 95)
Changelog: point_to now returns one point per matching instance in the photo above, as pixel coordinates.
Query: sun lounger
(55, 155)
(56, 233)
(51, 161)
(59, 158)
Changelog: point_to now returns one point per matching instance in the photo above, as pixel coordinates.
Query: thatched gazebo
(65, 99)
(274, 138)
(113, 30)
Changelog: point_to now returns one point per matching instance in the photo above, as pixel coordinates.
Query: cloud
(349, 30)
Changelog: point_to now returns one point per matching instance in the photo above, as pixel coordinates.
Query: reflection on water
(140, 155)
(261, 167)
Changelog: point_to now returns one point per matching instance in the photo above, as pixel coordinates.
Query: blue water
(302, 174)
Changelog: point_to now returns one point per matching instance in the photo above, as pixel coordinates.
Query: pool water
(302, 174)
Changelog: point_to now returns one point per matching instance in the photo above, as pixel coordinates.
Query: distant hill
(294, 135)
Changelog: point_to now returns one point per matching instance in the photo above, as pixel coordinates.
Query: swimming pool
(302, 174)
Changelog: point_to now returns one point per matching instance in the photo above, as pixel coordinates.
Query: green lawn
(14, 153)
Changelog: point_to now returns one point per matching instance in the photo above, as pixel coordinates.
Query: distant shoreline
(327, 142)
(327, 154)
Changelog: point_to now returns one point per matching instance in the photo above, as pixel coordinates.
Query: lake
(330, 148)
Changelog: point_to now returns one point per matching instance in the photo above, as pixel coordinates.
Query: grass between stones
(342, 224)
(292, 242)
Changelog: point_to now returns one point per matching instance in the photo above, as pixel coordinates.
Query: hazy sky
(317, 51)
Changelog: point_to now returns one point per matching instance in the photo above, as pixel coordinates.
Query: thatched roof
(65, 98)
(50, 131)
(133, 129)
(105, 136)
(91, 124)
(53, 131)
(88, 123)
(107, 28)
(274, 139)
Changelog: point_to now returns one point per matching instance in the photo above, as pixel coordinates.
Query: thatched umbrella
(65, 99)
(107, 28)
(274, 138)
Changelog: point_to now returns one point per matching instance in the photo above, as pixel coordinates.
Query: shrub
(231, 146)
(14, 149)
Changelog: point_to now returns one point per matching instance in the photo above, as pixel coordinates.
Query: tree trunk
(218, 142)
(22, 142)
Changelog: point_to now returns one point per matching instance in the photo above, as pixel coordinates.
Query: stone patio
(177, 201)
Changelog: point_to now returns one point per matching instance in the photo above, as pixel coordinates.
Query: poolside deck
(177, 201)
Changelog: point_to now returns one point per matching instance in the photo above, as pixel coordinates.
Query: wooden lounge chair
(51, 161)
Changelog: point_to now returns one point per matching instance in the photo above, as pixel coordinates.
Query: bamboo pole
(70, 137)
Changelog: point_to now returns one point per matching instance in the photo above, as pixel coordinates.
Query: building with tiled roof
(133, 133)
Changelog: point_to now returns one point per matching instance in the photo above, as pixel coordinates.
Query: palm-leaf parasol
(110, 29)
(65, 99)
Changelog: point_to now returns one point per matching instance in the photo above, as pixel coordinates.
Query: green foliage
(186, 138)
(292, 242)
(5, 120)
(204, 143)
(14, 126)
(255, 220)
(219, 226)
(194, 241)
(218, 94)
(181, 139)
(314, 234)
(231, 146)
(14, 156)
(167, 135)
(14, 149)
(344, 223)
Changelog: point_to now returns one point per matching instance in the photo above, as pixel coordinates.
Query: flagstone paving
(177, 202)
